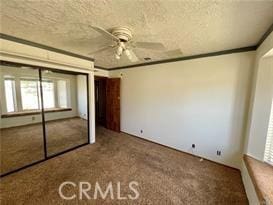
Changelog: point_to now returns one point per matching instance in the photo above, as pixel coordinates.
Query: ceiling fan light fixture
(122, 39)
(128, 54)
(119, 50)
(117, 56)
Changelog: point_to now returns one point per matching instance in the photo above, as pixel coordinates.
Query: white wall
(101, 73)
(254, 143)
(82, 96)
(249, 187)
(261, 109)
(201, 101)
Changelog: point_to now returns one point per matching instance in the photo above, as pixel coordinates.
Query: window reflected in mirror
(21, 135)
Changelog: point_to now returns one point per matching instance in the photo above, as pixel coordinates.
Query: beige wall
(259, 108)
(201, 101)
(249, 186)
(101, 73)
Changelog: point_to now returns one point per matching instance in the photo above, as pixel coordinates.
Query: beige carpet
(23, 145)
(165, 176)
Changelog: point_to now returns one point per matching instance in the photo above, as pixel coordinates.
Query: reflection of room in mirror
(67, 91)
(25, 97)
(20, 143)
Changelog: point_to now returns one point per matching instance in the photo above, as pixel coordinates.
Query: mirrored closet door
(44, 113)
(66, 110)
(21, 130)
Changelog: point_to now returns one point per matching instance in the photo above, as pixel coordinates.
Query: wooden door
(113, 104)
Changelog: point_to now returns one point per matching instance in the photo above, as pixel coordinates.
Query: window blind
(268, 157)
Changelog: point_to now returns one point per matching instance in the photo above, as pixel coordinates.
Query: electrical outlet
(141, 131)
(218, 152)
(193, 145)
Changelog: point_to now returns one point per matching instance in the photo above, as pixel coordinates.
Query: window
(268, 157)
(48, 93)
(30, 94)
(55, 94)
(62, 93)
(10, 95)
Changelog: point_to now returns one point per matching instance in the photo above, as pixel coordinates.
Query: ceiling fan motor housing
(122, 33)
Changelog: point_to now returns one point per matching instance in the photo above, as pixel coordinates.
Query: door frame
(108, 78)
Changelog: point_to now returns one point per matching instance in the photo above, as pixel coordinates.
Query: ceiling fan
(123, 44)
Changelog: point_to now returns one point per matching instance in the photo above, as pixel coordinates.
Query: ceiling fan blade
(133, 58)
(105, 33)
(100, 50)
(150, 45)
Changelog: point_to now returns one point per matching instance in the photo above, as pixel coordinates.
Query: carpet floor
(23, 145)
(164, 176)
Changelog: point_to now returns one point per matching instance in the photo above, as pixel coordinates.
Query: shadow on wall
(242, 89)
(261, 107)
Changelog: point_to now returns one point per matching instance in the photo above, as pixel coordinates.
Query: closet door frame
(40, 69)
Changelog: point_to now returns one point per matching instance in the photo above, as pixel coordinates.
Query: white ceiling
(195, 27)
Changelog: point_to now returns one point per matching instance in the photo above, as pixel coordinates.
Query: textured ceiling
(195, 27)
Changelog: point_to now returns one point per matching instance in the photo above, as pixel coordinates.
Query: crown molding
(266, 34)
(224, 52)
(236, 50)
(100, 67)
